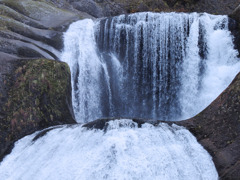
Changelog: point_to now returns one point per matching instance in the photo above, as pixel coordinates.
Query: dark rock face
(88, 6)
(236, 14)
(38, 96)
(217, 128)
(209, 6)
(234, 26)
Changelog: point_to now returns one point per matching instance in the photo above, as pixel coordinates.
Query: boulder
(38, 96)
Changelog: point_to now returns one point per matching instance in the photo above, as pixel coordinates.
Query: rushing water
(123, 152)
(149, 65)
(146, 65)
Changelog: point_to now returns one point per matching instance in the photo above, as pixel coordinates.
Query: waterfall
(167, 66)
(146, 65)
(121, 151)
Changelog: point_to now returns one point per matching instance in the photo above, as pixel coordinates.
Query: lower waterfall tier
(121, 151)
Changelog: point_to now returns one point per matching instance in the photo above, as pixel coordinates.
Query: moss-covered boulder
(217, 128)
(39, 96)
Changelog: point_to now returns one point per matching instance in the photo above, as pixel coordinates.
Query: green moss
(39, 93)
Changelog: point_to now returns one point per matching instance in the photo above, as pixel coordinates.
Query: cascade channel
(166, 66)
(146, 65)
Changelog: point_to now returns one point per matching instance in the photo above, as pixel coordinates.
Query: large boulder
(217, 128)
(38, 96)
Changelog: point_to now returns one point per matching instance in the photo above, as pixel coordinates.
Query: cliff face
(209, 6)
(38, 96)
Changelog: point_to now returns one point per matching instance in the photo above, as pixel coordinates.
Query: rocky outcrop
(217, 128)
(236, 14)
(234, 26)
(209, 6)
(38, 96)
(33, 29)
(29, 30)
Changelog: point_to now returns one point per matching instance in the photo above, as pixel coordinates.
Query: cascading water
(123, 151)
(149, 65)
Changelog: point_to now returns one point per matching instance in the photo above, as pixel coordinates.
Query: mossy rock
(39, 97)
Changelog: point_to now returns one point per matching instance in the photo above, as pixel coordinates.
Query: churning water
(122, 152)
(146, 65)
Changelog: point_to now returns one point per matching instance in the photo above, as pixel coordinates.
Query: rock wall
(38, 96)
(235, 27)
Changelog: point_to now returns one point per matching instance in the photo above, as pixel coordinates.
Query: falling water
(149, 65)
(123, 151)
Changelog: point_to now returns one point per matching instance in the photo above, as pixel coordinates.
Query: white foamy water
(122, 152)
(166, 66)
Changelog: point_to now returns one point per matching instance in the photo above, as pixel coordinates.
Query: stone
(38, 96)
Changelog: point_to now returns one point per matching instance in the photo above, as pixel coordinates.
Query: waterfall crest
(165, 66)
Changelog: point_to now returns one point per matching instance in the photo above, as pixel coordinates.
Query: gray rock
(88, 6)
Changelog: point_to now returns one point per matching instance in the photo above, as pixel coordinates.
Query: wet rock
(103, 123)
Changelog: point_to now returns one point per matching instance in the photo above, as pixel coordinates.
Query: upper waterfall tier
(149, 65)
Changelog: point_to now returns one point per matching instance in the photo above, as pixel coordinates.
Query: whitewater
(166, 66)
(122, 151)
